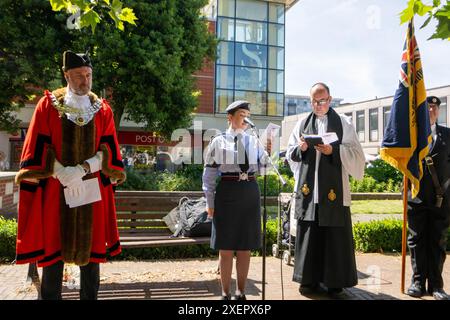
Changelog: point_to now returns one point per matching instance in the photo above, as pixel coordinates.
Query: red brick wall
(205, 82)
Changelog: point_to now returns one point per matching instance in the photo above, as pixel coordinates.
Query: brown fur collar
(117, 175)
(47, 172)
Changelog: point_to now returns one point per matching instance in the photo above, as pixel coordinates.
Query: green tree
(89, 13)
(435, 11)
(146, 69)
(30, 49)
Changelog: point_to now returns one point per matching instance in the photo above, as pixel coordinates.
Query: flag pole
(404, 231)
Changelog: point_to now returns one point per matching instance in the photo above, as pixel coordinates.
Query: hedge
(373, 236)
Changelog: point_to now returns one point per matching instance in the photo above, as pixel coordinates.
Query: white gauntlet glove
(70, 175)
(95, 163)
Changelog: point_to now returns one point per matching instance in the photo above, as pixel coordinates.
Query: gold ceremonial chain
(80, 116)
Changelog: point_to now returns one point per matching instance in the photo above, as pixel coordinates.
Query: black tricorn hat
(434, 100)
(75, 60)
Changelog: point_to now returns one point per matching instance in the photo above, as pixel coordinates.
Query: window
(276, 81)
(224, 77)
(251, 31)
(251, 10)
(276, 35)
(276, 13)
(223, 99)
(360, 124)
(256, 99)
(225, 29)
(443, 112)
(276, 58)
(275, 104)
(373, 124)
(251, 55)
(386, 115)
(250, 79)
(225, 52)
(226, 8)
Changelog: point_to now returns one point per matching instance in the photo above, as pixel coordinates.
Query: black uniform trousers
(52, 276)
(427, 241)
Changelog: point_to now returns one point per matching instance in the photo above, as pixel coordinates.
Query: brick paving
(196, 279)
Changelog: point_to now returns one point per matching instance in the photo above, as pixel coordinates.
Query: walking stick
(264, 241)
(404, 231)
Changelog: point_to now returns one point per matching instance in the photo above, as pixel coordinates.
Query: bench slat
(146, 216)
(146, 230)
(145, 223)
(166, 242)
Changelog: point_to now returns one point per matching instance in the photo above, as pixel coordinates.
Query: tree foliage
(146, 70)
(436, 10)
(89, 13)
(30, 47)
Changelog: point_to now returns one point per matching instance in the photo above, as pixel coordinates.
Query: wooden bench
(139, 218)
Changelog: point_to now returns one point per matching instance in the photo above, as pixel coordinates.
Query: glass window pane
(225, 29)
(251, 79)
(373, 124)
(257, 100)
(250, 31)
(223, 99)
(276, 81)
(224, 77)
(275, 105)
(276, 35)
(226, 8)
(251, 9)
(225, 52)
(251, 55)
(276, 58)
(360, 124)
(276, 13)
(442, 120)
(386, 114)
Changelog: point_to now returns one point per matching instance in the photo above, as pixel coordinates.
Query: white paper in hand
(329, 137)
(91, 194)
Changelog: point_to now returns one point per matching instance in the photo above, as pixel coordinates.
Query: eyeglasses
(321, 102)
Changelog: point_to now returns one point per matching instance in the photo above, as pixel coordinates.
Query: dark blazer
(441, 159)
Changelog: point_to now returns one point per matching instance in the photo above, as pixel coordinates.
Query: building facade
(297, 104)
(370, 118)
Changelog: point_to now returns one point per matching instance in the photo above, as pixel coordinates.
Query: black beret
(75, 60)
(434, 100)
(240, 104)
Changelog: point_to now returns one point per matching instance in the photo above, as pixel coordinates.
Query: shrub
(369, 184)
(8, 231)
(378, 236)
(273, 184)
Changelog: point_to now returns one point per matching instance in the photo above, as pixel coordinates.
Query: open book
(315, 139)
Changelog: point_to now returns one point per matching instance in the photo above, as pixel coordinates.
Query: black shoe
(439, 294)
(416, 290)
(239, 297)
(309, 288)
(227, 297)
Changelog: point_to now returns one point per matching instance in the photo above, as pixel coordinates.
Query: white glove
(69, 175)
(76, 189)
(95, 163)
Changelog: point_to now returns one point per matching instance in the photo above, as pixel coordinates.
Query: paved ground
(193, 279)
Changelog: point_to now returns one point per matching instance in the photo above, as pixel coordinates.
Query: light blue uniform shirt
(222, 156)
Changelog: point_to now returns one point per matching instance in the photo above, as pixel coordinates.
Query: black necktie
(239, 147)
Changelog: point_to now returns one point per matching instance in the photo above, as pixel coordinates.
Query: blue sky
(355, 47)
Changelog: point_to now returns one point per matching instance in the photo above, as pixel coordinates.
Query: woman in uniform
(234, 205)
